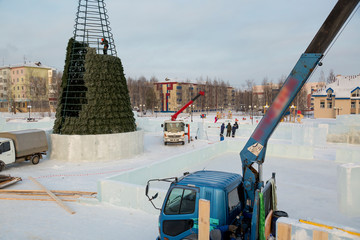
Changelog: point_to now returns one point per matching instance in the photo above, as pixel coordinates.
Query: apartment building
(338, 98)
(173, 95)
(4, 89)
(25, 86)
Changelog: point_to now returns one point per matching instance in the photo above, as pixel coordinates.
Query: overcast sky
(232, 40)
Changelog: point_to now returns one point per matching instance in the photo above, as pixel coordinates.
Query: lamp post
(292, 112)
(207, 110)
(191, 113)
(29, 109)
(338, 110)
(252, 113)
(265, 108)
(156, 110)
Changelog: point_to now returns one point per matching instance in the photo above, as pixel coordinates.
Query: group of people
(230, 130)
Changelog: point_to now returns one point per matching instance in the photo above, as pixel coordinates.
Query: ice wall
(345, 130)
(101, 147)
(127, 189)
(293, 229)
(348, 186)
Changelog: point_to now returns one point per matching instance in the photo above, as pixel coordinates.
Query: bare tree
(331, 78)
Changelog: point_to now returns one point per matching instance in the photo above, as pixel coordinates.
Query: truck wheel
(2, 166)
(165, 143)
(35, 159)
(183, 142)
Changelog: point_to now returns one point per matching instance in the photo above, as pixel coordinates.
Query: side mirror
(187, 125)
(162, 125)
(147, 190)
(186, 133)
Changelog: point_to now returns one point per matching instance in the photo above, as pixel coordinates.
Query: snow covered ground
(306, 190)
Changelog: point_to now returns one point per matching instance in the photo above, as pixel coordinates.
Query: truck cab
(7, 152)
(174, 131)
(179, 214)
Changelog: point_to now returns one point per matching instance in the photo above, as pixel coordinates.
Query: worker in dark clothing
(234, 127)
(106, 45)
(223, 233)
(222, 128)
(228, 131)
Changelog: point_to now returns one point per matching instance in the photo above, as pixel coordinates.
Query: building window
(21, 71)
(329, 104)
(17, 80)
(356, 93)
(17, 71)
(22, 79)
(179, 87)
(22, 87)
(353, 104)
(17, 87)
(322, 104)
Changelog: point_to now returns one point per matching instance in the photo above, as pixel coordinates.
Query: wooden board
(12, 180)
(204, 219)
(58, 201)
(283, 231)
(320, 235)
(268, 224)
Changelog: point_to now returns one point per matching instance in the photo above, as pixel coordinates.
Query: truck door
(179, 214)
(7, 152)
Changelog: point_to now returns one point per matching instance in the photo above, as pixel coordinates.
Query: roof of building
(28, 64)
(342, 87)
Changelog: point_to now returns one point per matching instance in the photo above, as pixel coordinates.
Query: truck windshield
(180, 201)
(174, 127)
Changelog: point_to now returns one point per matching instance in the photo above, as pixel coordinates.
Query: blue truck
(235, 199)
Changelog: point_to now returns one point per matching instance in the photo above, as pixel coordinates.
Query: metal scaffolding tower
(91, 30)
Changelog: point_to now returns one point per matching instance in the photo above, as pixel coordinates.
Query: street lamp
(191, 113)
(156, 110)
(292, 112)
(265, 108)
(338, 110)
(207, 110)
(29, 109)
(252, 113)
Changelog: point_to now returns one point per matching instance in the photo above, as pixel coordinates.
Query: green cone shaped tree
(106, 108)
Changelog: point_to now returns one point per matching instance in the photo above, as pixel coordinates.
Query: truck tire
(35, 159)
(183, 142)
(165, 143)
(2, 166)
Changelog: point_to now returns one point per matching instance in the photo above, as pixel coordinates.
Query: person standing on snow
(236, 126)
(222, 128)
(228, 131)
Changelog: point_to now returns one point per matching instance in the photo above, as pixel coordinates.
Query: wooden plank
(283, 231)
(53, 196)
(9, 182)
(204, 219)
(38, 199)
(268, 224)
(320, 235)
(15, 191)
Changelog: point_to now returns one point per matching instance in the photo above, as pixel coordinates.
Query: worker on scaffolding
(106, 45)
